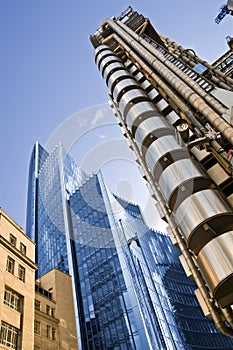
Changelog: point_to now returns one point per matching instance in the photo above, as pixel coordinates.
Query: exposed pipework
(174, 98)
(196, 275)
(181, 87)
(192, 59)
(198, 213)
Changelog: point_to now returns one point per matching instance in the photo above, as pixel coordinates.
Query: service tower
(176, 112)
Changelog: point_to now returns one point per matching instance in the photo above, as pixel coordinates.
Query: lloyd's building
(176, 112)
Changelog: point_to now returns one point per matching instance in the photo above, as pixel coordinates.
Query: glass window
(13, 240)
(23, 248)
(37, 327)
(37, 305)
(53, 334)
(13, 299)
(8, 335)
(48, 328)
(10, 265)
(48, 309)
(53, 312)
(21, 273)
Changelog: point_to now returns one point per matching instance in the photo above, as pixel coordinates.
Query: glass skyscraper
(130, 291)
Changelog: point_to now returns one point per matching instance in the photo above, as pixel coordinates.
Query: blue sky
(48, 74)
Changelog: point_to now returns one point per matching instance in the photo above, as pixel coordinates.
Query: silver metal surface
(153, 94)
(126, 99)
(124, 84)
(105, 62)
(216, 262)
(202, 216)
(161, 104)
(118, 75)
(99, 49)
(180, 179)
(137, 110)
(159, 148)
(145, 84)
(138, 76)
(103, 54)
(152, 125)
(111, 68)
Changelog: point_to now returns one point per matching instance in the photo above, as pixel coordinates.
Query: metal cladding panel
(216, 262)
(159, 148)
(123, 85)
(99, 49)
(152, 125)
(117, 76)
(179, 180)
(145, 84)
(125, 102)
(104, 63)
(203, 216)
(137, 110)
(153, 94)
(138, 76)
(106, 54)
(112, 67)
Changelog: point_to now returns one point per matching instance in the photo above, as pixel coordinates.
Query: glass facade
(171, 313)
(130, 291)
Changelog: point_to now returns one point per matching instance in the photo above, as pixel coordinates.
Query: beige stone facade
(55, 327)
(17, 286)
(33, 316)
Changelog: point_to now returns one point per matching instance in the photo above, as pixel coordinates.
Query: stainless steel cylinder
(103, 54)
(138, 110)
(116, 77)
(150, 129)
(111, 68)
(162, 152)
(181, 179)
(128, 99)
(122, 86)
(203, 216)
(216, 262)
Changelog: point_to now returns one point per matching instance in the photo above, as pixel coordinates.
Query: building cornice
(4, 242)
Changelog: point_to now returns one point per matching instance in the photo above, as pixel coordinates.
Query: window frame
(37, 327)
(21, 273)
(48, 309)
(37, 305)
(13, 299)
(10, 265)
(53, 334)
(48, 331)
(23, 248)
(9, 335)
(13, 240)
